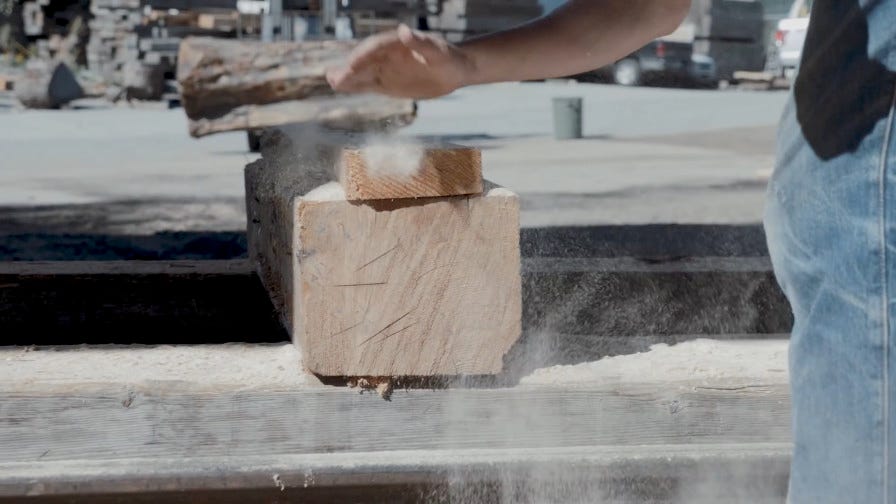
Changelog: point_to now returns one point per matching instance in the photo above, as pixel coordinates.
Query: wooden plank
(755, 472)
(342, 112)
(395, 168)
(433, 288)
(156, 406)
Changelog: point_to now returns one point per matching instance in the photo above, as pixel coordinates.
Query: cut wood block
(387, 288)
(394, 169)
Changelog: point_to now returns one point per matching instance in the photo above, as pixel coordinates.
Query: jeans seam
(885, 300)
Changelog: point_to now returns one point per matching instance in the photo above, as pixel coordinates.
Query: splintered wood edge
(443, 170)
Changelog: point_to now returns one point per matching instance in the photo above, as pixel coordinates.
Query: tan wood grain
(391, 287)
(441, 170)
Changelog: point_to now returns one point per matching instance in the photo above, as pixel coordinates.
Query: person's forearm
(580, 36)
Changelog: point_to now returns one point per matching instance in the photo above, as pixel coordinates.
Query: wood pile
(55, 29)
(134, 43)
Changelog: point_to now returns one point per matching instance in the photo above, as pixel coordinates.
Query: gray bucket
(567, 118)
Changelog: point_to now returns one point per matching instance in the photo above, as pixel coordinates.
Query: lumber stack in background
(134, 43)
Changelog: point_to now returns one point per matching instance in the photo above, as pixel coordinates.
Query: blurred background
(92, 139)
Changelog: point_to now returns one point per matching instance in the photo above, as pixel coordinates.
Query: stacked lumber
(112, 39)
(460, 19)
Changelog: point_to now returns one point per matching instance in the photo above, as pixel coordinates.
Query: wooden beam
(396, 168)
(384, 291)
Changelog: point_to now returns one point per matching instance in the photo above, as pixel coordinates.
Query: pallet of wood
(134, 44)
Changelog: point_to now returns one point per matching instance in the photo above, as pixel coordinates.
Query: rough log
(377, 288)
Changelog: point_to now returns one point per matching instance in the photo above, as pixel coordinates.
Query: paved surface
(650, 155)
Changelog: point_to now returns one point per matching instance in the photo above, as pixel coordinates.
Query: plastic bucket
(567, 118)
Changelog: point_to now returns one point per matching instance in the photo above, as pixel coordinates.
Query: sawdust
(390, 156)
(701, 360)
(382, 385)
(181, 367)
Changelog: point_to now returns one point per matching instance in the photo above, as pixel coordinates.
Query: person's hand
(403, 63)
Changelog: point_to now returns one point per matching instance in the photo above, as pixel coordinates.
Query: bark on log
(231, 85)
(219, 75)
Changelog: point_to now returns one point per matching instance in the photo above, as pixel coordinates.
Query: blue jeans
(831, 227)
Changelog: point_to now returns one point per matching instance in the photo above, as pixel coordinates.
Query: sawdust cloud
(390, 156)
(633, 313)
(638, 314)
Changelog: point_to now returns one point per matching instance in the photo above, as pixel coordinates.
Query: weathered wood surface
(685, 474)
(342, 112)
(573, 312)
(238, 84)
(135, 428)
(388, 288)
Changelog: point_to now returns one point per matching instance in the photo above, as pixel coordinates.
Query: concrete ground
(650, 155)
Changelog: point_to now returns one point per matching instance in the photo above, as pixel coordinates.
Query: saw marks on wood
(387, 169)
(390, 287)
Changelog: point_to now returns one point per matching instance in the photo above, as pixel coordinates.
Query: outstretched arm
(579, 36)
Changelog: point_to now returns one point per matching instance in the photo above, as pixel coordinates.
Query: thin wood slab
(399, 168)
(388, 288)
(342, 112)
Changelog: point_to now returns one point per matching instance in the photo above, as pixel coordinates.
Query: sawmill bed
(161, 421)
(173, 381)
